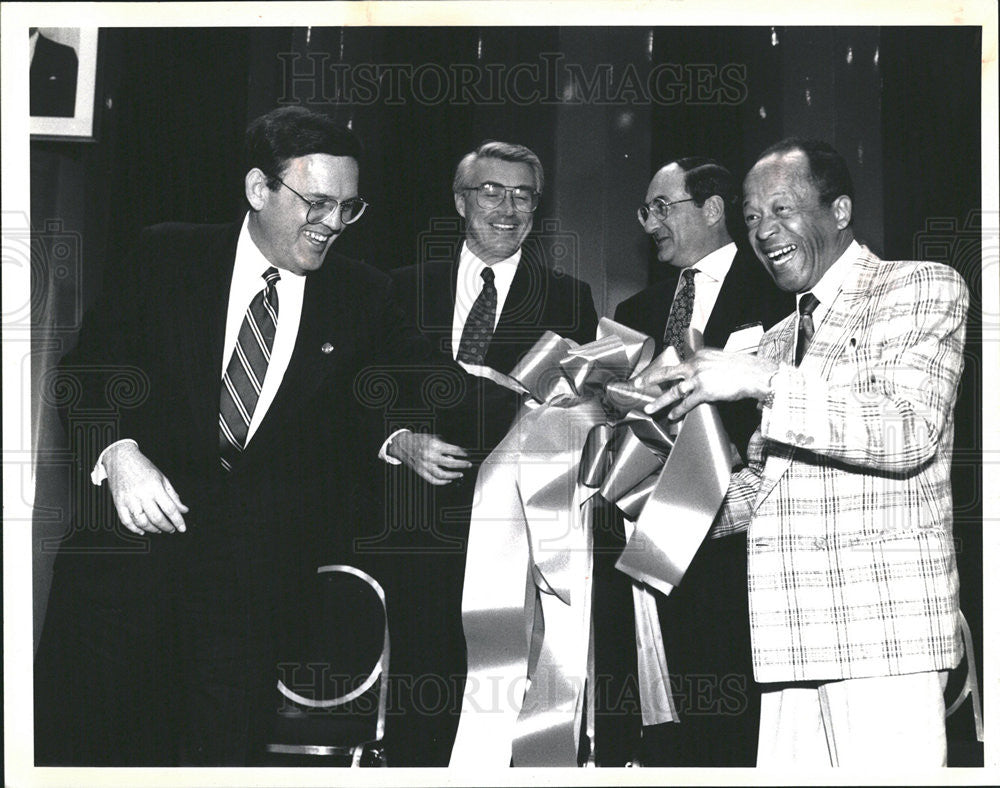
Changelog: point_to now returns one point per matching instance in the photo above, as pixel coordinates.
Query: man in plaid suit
(846, 495)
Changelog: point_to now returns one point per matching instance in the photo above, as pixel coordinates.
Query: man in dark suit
(159, 646)
(716, 288)
(53, 77)
(485, 306)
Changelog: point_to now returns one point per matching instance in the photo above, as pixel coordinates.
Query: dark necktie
(478, 329)
(807, 304)
(679, 319)
(244, 375)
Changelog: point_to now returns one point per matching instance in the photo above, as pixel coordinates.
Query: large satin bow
(526, 599)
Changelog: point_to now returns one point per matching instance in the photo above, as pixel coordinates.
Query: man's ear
(842, 208)
(255, 184)
(714, 210)
(460, 203)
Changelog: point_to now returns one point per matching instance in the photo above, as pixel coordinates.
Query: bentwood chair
(332, 683)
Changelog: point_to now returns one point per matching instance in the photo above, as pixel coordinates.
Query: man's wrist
(384, 453)
(100, 470)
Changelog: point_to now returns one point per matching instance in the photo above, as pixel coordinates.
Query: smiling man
(239, 461)
(846, 497)
(714, 287)
(484, 308)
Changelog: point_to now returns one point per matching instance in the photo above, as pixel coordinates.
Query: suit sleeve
(107, 371)
(891, 412)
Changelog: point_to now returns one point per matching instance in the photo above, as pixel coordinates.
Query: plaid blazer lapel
(828, 346)
(778, 345)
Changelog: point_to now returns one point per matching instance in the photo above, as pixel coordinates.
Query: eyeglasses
(490, 195)
(659, 207)
(320, 210)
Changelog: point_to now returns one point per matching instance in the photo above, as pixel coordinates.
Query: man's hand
(709, 376)
(429, 456)
(145, 499)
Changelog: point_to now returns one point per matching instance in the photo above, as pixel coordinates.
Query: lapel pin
(327, 347)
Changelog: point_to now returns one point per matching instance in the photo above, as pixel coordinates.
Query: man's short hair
(505, 151)
(827, 169)
(704, 178)
(283, 134)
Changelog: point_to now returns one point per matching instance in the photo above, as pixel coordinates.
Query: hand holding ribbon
(709, 376)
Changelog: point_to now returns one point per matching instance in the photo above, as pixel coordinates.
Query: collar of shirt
(470, 283)
(828, 286)
(247, 281)
(712, 271)
(32, 40)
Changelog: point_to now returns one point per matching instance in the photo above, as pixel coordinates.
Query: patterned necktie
(247, 366)
(679, 319)
(807, 304)
(478, 329)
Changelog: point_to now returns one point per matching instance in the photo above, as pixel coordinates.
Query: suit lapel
(661, 309)
(727, 310)
(324, 335)
(519, 315)
(438, 282)
(735, 305)
(839, 323)
(780, 456)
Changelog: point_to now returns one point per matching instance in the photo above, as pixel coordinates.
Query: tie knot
(808, 304)
(689, 273)
(487, 275)
(271, 276)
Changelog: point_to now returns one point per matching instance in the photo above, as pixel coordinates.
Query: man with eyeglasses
(846, 494)
(483, 308)
(241, 461)
(714, 287)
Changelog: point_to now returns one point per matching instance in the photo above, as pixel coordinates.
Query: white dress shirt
(469, 285)
(712, 270)
(246, 282)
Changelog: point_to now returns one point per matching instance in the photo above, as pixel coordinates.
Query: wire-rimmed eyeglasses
(489, 195)
(659, 207)
(320, 210)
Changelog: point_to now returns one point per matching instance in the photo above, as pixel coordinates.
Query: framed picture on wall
(63, 83)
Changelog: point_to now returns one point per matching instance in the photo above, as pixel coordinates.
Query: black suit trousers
(706, 635)
(170, 658)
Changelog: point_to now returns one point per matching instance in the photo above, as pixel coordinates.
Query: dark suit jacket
(163, 325)
(53, 79)
(705, 620)
(430, 535)
(539, 300)
(748, 295)
(148, 367)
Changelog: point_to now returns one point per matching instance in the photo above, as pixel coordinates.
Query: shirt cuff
(100, 473)
(383, 453)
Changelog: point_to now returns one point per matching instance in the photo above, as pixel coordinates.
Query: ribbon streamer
(526, 605)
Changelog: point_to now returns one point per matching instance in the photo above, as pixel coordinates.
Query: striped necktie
(807, 305)
(478, 330)
(679, 319)
(244, 375)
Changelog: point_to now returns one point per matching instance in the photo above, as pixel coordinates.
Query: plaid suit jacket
(847, 493)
